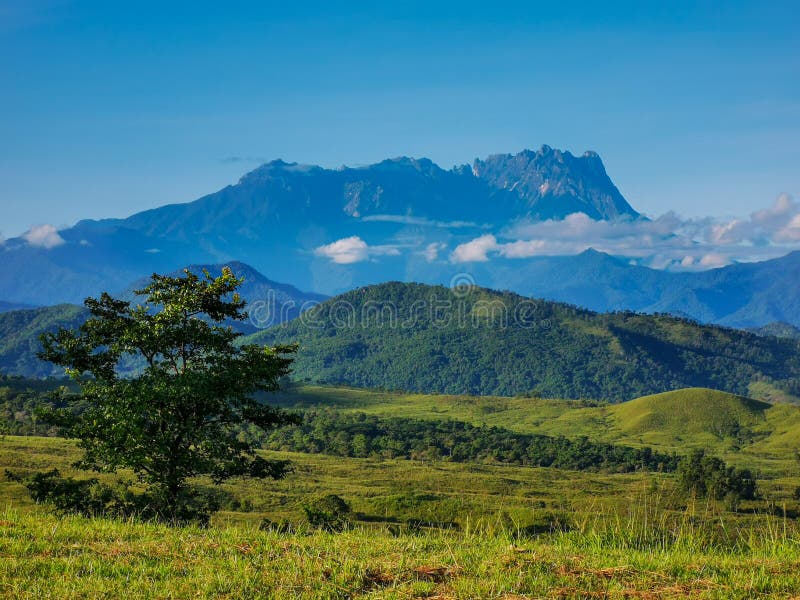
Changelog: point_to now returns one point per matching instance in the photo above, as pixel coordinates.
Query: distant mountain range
(19, 337)
(778, 329)
(739, 295)
(386, 221)
(268, 303)
(8, 306)
(277, 216)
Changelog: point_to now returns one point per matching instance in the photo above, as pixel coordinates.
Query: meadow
(518, 533)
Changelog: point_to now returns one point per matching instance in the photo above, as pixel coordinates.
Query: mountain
(268, 303)
(739, 295)
(778, 329)
(278, 216)
(8, 306)
(332, 230)
(434, 339)
(553, 184)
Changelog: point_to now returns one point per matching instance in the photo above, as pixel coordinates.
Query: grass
(70, 557)
(519, 532)
(588, 535)
(745, 432)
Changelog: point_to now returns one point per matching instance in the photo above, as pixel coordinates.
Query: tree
(178, 416)
(704, 475)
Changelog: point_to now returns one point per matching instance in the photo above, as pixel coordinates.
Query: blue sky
(106, 110)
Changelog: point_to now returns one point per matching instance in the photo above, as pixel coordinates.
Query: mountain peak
(424, 165)
(552, 183)
(278, 167)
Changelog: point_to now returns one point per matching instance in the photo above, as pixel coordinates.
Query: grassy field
(520, 533)
(48, 557)
(745, 432)
(441, 529)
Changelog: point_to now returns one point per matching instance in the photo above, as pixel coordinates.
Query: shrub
(329, 513)
(709, 476)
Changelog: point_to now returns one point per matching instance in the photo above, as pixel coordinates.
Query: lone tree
(179, 416)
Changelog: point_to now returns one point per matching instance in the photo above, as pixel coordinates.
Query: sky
(106, 110)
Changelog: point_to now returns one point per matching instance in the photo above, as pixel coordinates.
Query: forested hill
(434, 339)
(19, 337)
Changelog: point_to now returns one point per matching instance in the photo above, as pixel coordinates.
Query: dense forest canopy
(414, 337)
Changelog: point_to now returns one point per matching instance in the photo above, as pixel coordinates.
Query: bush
(709, 476)
(92, 498)
(329, 513)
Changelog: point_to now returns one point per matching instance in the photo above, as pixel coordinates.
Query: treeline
(327, 431)
(22, 398)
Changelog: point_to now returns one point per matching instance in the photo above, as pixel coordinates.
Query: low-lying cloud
(420, 221)
(778, 224)
(43, 236)
(666, 242)
(353, 249)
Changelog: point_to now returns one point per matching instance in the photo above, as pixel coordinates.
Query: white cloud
(776, 224)
(790, 233)
(431, 252)
(523, 248)
(665, 242)
(476, 250)
(419, 221)
(353, 250)
(345, 251)
(43, 236)
(714, 260)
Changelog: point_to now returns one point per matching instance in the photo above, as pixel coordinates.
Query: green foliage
(93, 498)
(23, 400)
(180, 416)
(359, 435)
(709, 476)
(414, 337)
(329, 513)
(67, 495)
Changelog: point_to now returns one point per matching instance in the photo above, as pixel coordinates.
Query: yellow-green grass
(383, 490)
(748, 433)
(44, 556)
(615, 536)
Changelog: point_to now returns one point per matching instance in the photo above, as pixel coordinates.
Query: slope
(19, 337)
(433, 339)
(747, 432)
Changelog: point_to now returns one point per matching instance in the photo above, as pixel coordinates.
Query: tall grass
(642, 555)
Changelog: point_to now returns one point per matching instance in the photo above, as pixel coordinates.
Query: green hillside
(19, 337)
(747, 432)
(693, 411)
(414, 337)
